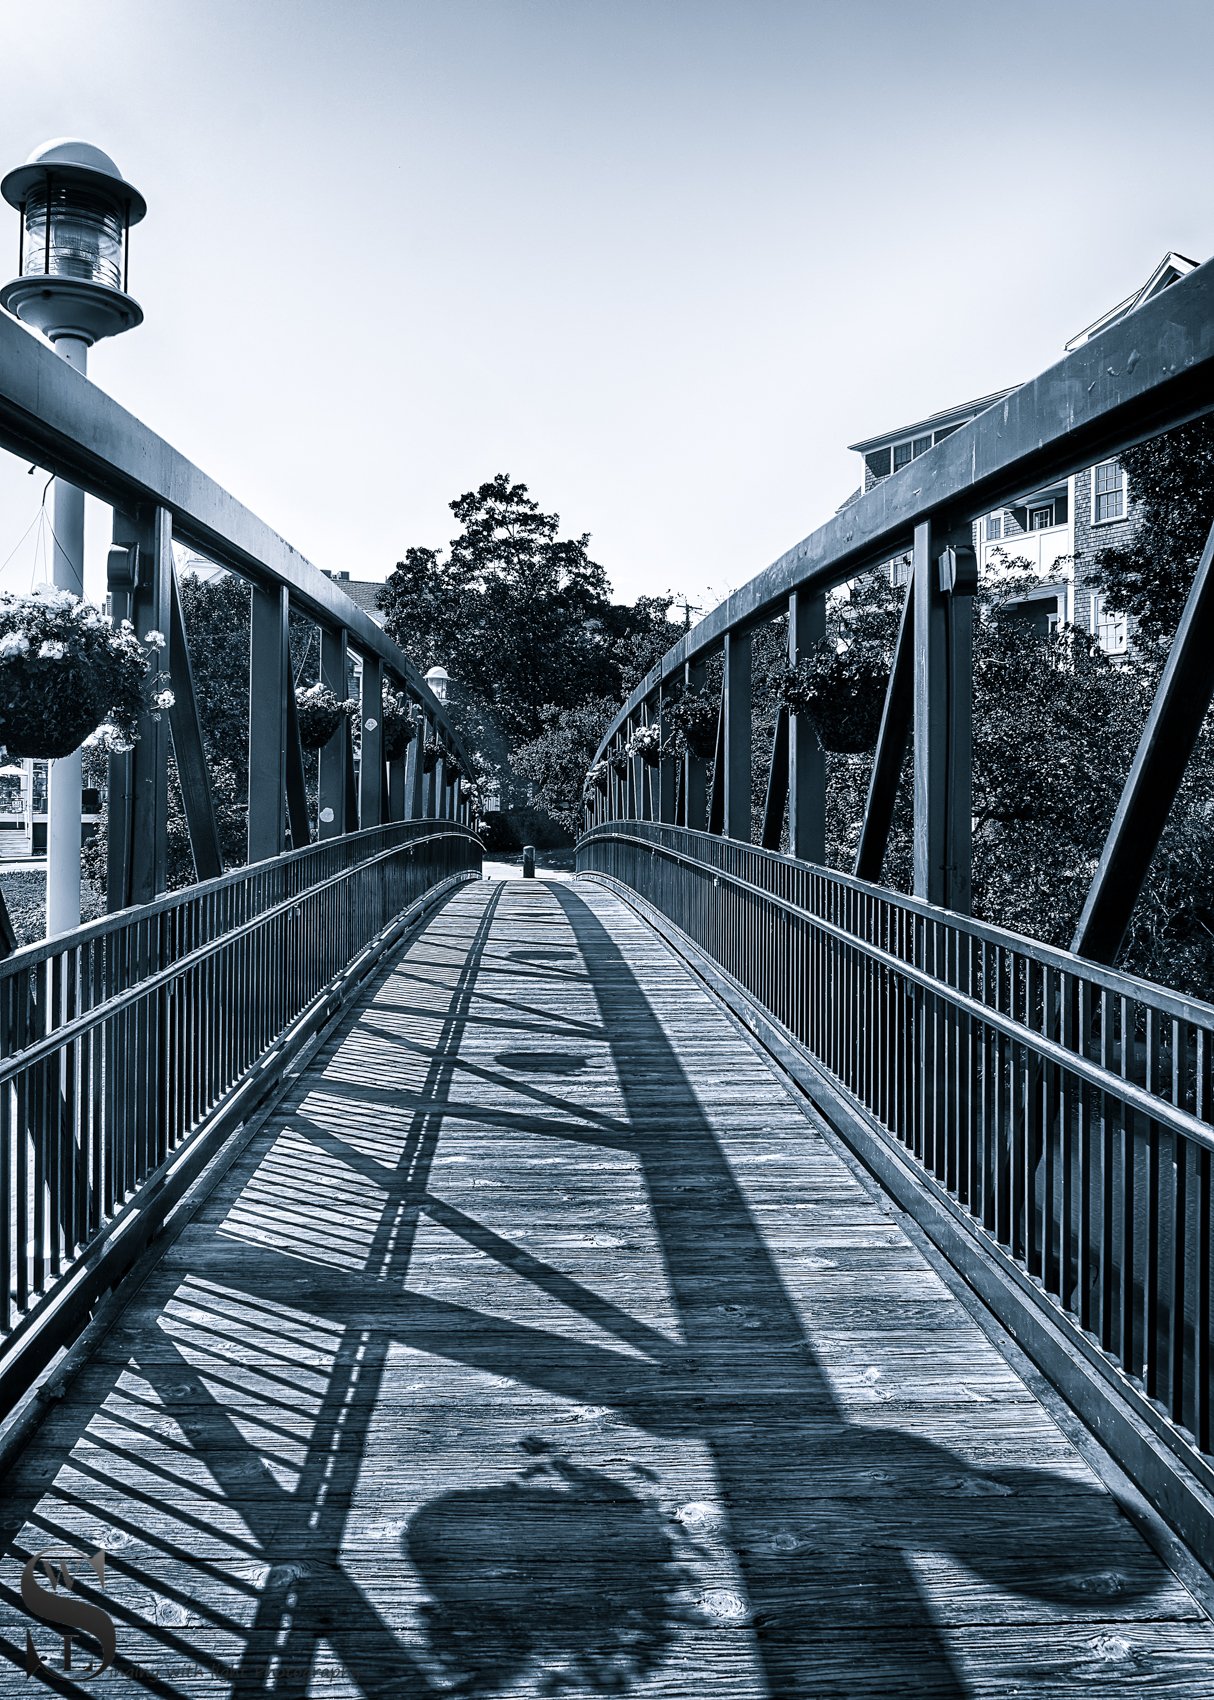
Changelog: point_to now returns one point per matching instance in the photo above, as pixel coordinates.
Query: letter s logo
(49, 1606)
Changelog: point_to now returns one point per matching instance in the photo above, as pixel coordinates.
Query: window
(920, 446)
(1041, 518)
(1108, 492)
(902, 455)
(1109, 630)
(994, 527)
(900, 570)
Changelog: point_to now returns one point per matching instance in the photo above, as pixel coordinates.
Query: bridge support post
(667, 771)
(695, 790)
(806, 757)
(371, 768)
(331, 785)
(736, 699)
(396, 789)
(943, 719)
(141, 586)
(414, 774)
(268, 664)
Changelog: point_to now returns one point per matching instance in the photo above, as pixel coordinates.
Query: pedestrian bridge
(705, 1273)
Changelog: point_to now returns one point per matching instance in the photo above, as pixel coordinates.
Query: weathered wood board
(540, 1343)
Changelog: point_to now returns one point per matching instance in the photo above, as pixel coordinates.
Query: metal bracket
(958, 571)
(122, 566)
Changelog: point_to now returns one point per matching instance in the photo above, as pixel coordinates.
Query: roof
(934, 422)
(1169, 270)
(364, 593)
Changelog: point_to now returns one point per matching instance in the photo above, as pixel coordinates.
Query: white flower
(13, 643)
(164, 699)
(52, 650)
(108, 737)
(154, 639)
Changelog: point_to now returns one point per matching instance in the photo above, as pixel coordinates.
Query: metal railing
(122, 1042)
(1065, 1108)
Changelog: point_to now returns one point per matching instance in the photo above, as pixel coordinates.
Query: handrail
(131, 1048)
(1128, 1092)
(1147, 373)
(51, 413)
(1063, 1110)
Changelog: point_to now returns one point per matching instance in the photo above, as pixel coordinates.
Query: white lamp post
(76, 217)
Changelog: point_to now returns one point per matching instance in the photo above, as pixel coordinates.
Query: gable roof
(1169, 270)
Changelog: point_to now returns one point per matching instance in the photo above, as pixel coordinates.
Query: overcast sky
(660, 259)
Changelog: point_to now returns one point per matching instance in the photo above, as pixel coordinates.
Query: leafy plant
(67, 673)
(693, 716)
(646, 742)
(399, 727)
(321, 712)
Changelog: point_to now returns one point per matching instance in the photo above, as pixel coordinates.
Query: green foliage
(519, 616)
(65, 669)
(1171, 481)
(556, 759)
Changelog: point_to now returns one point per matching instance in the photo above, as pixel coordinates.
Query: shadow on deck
(541, 1343)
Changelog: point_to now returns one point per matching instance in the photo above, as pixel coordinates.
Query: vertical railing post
(140, 587)
(331, 784)
(413, 772)
(667, 771)
(806, 757)
(268, 662)
(695, 786)
(646, 775)
(943, 717)
(371, 768)
(737, 735)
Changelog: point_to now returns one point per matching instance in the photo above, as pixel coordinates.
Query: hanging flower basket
(617, 761)
(646, 742)
(694, 717)
(451, 769)
(430, 755)
(399, 728)
(842, 693)
(67, 673)
(320, 712)
(599, 775)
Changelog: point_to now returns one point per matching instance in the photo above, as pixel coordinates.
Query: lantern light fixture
(74, 256)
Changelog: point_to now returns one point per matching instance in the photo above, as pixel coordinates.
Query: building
(1060, 528)
(364, 592)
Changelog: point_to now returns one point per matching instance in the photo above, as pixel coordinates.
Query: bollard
(528, 861)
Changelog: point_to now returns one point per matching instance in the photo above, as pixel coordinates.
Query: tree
(1171, 479)
(557, 758)
(520, 616)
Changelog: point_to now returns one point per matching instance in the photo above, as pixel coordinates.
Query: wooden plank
(540, 1277)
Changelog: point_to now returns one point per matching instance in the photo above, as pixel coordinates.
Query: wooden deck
(540, 1344)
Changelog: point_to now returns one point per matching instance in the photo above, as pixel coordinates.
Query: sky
(661, 260)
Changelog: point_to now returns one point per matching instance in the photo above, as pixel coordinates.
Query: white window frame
(1039, 508)
(1101, 621)
(1115, 519)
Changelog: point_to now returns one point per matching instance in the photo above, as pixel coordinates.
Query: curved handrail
(1149, 372)
(50, 412)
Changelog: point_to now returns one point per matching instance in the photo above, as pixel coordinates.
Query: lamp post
(76, 216)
